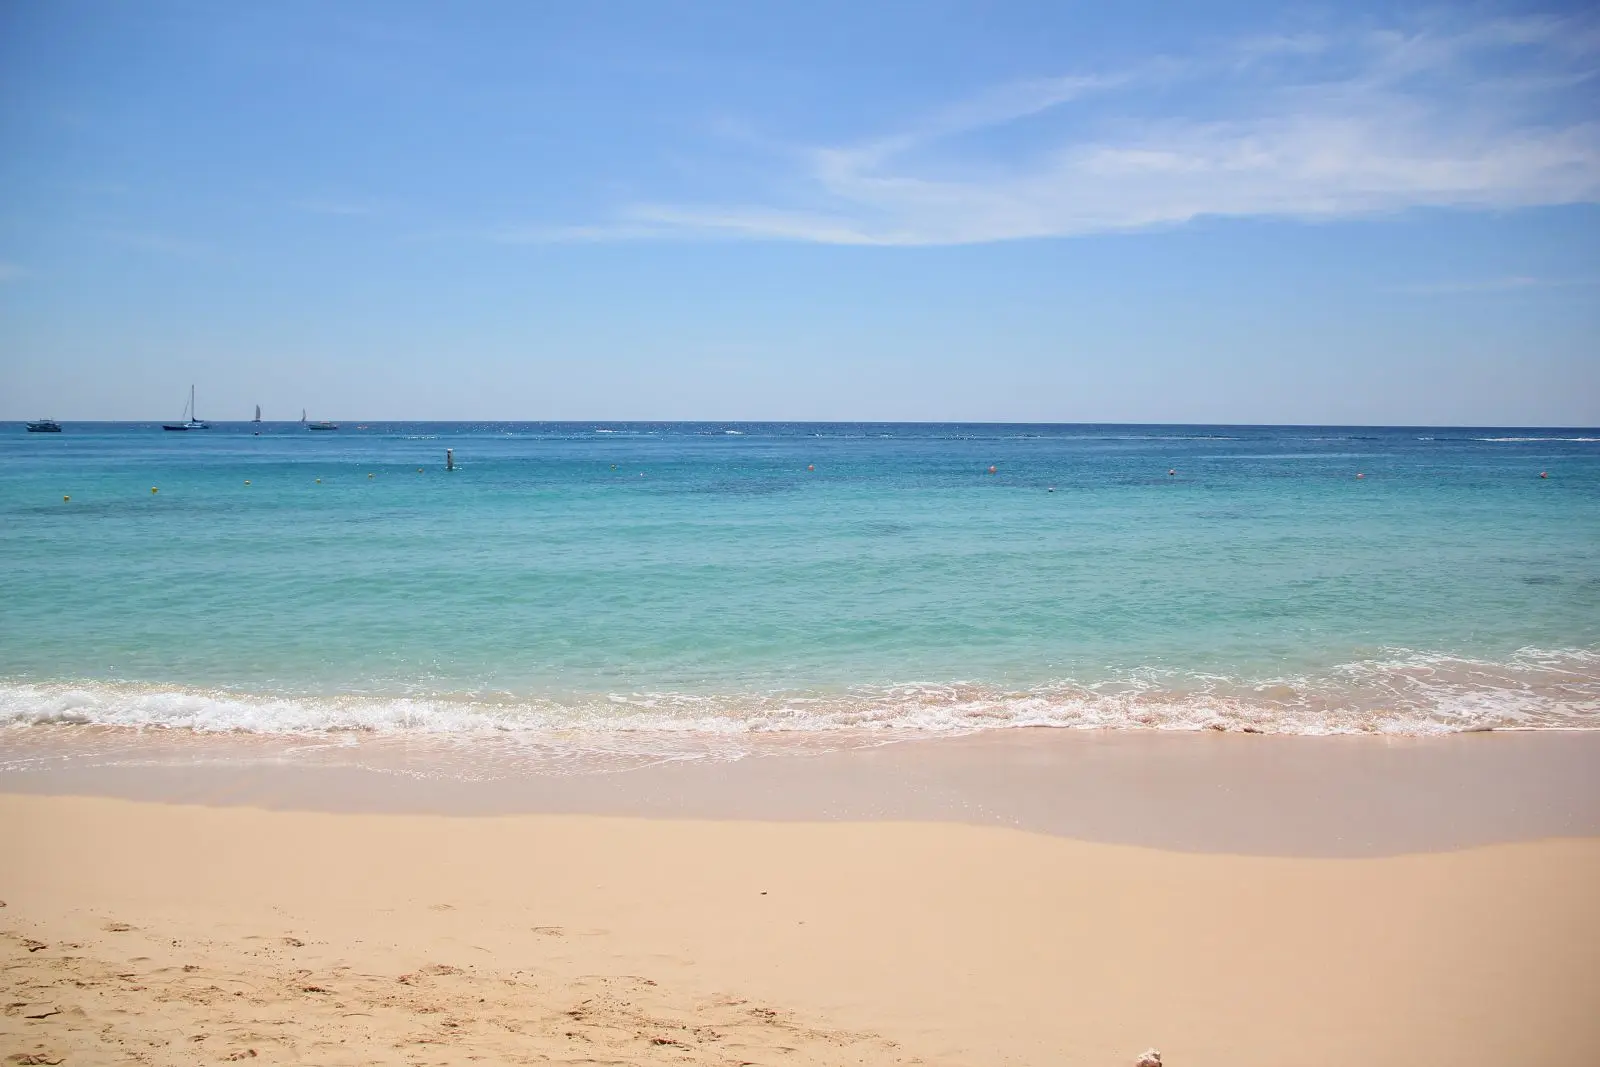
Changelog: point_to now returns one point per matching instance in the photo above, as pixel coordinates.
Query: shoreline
(1200, 792)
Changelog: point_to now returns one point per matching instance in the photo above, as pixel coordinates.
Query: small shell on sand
(1148, 1058)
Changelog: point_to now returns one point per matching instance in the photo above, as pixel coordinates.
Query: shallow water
(666, 588)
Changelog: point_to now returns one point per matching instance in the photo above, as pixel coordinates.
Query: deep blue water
(702, 577)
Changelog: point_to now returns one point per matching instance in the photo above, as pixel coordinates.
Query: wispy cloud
(1490, 115)
(1507, 284)
(161, 243)
(349, 208)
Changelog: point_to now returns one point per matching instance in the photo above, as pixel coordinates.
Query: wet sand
(1259, 795)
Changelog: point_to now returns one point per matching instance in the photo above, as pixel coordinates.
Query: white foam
(1397, 692)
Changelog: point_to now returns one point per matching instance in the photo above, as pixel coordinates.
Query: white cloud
(1490, 115)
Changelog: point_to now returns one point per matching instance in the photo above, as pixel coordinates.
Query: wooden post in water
(449, 459)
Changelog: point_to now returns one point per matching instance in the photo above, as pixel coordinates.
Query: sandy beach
(158, 932)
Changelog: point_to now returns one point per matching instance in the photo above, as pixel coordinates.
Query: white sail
(258, 412)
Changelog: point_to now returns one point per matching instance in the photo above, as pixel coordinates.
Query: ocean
(678, 587)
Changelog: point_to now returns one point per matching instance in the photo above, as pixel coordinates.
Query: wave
(1531, 440)
(1399, 692)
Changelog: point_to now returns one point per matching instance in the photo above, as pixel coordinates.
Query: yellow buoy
(153, 489)
(319, 481)
(66, 498)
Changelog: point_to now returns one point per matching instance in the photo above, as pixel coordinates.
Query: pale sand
(176, 934)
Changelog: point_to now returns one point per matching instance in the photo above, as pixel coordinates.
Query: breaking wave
(1399, 692)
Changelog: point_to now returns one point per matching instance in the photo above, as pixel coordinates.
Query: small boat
(316, 425)
(189, 423)
(44, 426)
(257, 420)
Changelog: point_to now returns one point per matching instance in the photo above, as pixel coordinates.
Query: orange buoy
(810, 467)
(991, 468)
(1544, 474)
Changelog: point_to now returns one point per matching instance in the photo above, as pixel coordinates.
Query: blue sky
(1055, 212)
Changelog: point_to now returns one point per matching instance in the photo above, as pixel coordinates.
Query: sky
(1054, 212)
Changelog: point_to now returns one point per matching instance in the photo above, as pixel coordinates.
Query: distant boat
(316, 425)
(258, 414)
(44, 426)
(189, 423)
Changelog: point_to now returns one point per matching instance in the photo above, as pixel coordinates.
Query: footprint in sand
(550, 931)
(116, 928)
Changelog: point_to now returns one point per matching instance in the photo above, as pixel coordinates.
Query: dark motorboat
(44, 426)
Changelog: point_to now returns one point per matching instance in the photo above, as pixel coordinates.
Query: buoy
(153, 489)
(66, 498)
(1360, 475)
(372, 476)
(419, 470)
(810, 467)
(991, 468)
(1172, 474)
(1544, 474)
(247, 481)
(319, 481)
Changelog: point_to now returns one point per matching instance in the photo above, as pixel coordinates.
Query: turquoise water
(677, 578)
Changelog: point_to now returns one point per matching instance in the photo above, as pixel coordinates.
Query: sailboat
(316, 425)
(190, 422)
(257, 420)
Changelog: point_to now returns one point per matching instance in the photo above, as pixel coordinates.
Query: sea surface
(672, 588)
